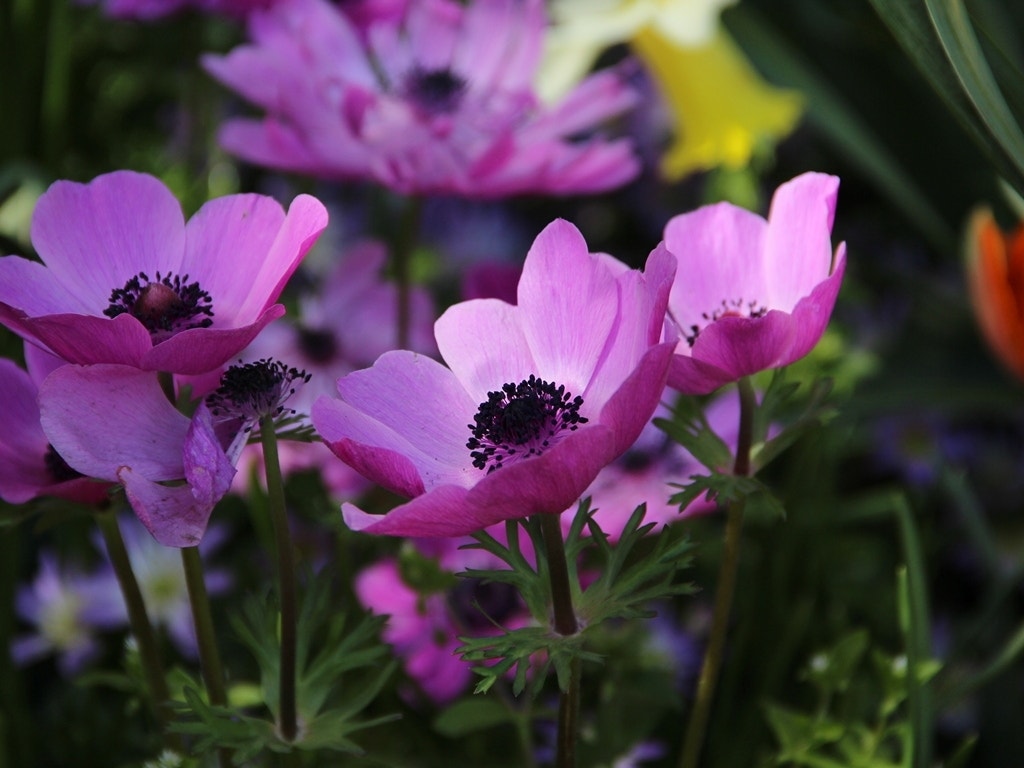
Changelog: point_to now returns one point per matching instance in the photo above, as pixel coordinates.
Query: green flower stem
(401, 258)
(565, 624)
(138, 618)
(202, 618)
(727, 574)
(286, 713)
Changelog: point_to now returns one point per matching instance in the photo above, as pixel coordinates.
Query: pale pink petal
(419, 399)
(28, 287)
(228, 235)
(484, 346)
(559, 279)
(632, 405)
(718, 248)
(171, 514)
(812, 312)
(798, 246)
(643, 300)
(100, 418)
(305, 220)
(95, 236)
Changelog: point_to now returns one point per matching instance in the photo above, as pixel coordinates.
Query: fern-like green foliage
(339, 673)
(622, 580)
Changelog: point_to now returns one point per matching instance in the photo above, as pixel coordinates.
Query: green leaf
(956, 35)
(832, 670)
(471, 715)
(689, 427)
(836, 121)
(934, 39)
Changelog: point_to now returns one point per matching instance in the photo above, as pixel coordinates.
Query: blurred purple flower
(361, 12)
(29, 465)
(752, 294)
(125, 280)
(66, 607)
(348, 325)
(560, 384)
(441, 104)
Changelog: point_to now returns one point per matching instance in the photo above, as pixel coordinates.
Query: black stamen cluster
(737, 307)
(255, 390)
(181, 306)
(520, 419)
(434, 91)
(59, 469)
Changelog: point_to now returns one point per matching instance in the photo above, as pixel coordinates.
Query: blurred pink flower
(539, 396)
(362, 12)
(752, 294)
(440, 104)
(29, 465)
(424, 627)
(125, 280)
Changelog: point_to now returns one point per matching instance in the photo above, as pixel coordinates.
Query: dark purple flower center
(252, 391)
(59, 469)
(165, 306)
(521, 420)
(733, 308)
(477, 605)
(435, 91)
(318, 344)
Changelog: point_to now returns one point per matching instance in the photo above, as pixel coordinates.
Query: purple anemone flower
(115, 423)
(66, 606)
(125, 280)
(537, 399)
(752, 294)
(29, 465)
(442, 103)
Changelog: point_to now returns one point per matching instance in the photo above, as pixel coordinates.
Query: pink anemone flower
(537, 399)
(751, 294)
(442, 103)
(115, 423)
(125, 280)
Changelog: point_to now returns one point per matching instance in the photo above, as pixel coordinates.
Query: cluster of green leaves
(627, 577)
(860, 720)
(802, 409)
(328, 706)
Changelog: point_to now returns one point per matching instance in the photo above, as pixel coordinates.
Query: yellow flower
(720, 106)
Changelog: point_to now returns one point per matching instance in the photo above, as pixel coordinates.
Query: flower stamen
(521, 420)
(165, 306)
(437, 91)
(728, 308)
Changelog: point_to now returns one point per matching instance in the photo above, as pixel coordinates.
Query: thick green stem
(565, 624)
(286, 713)
(401, 260)
(727, 574)
(138, 619)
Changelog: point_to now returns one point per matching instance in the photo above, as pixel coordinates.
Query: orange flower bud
(995, 277)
